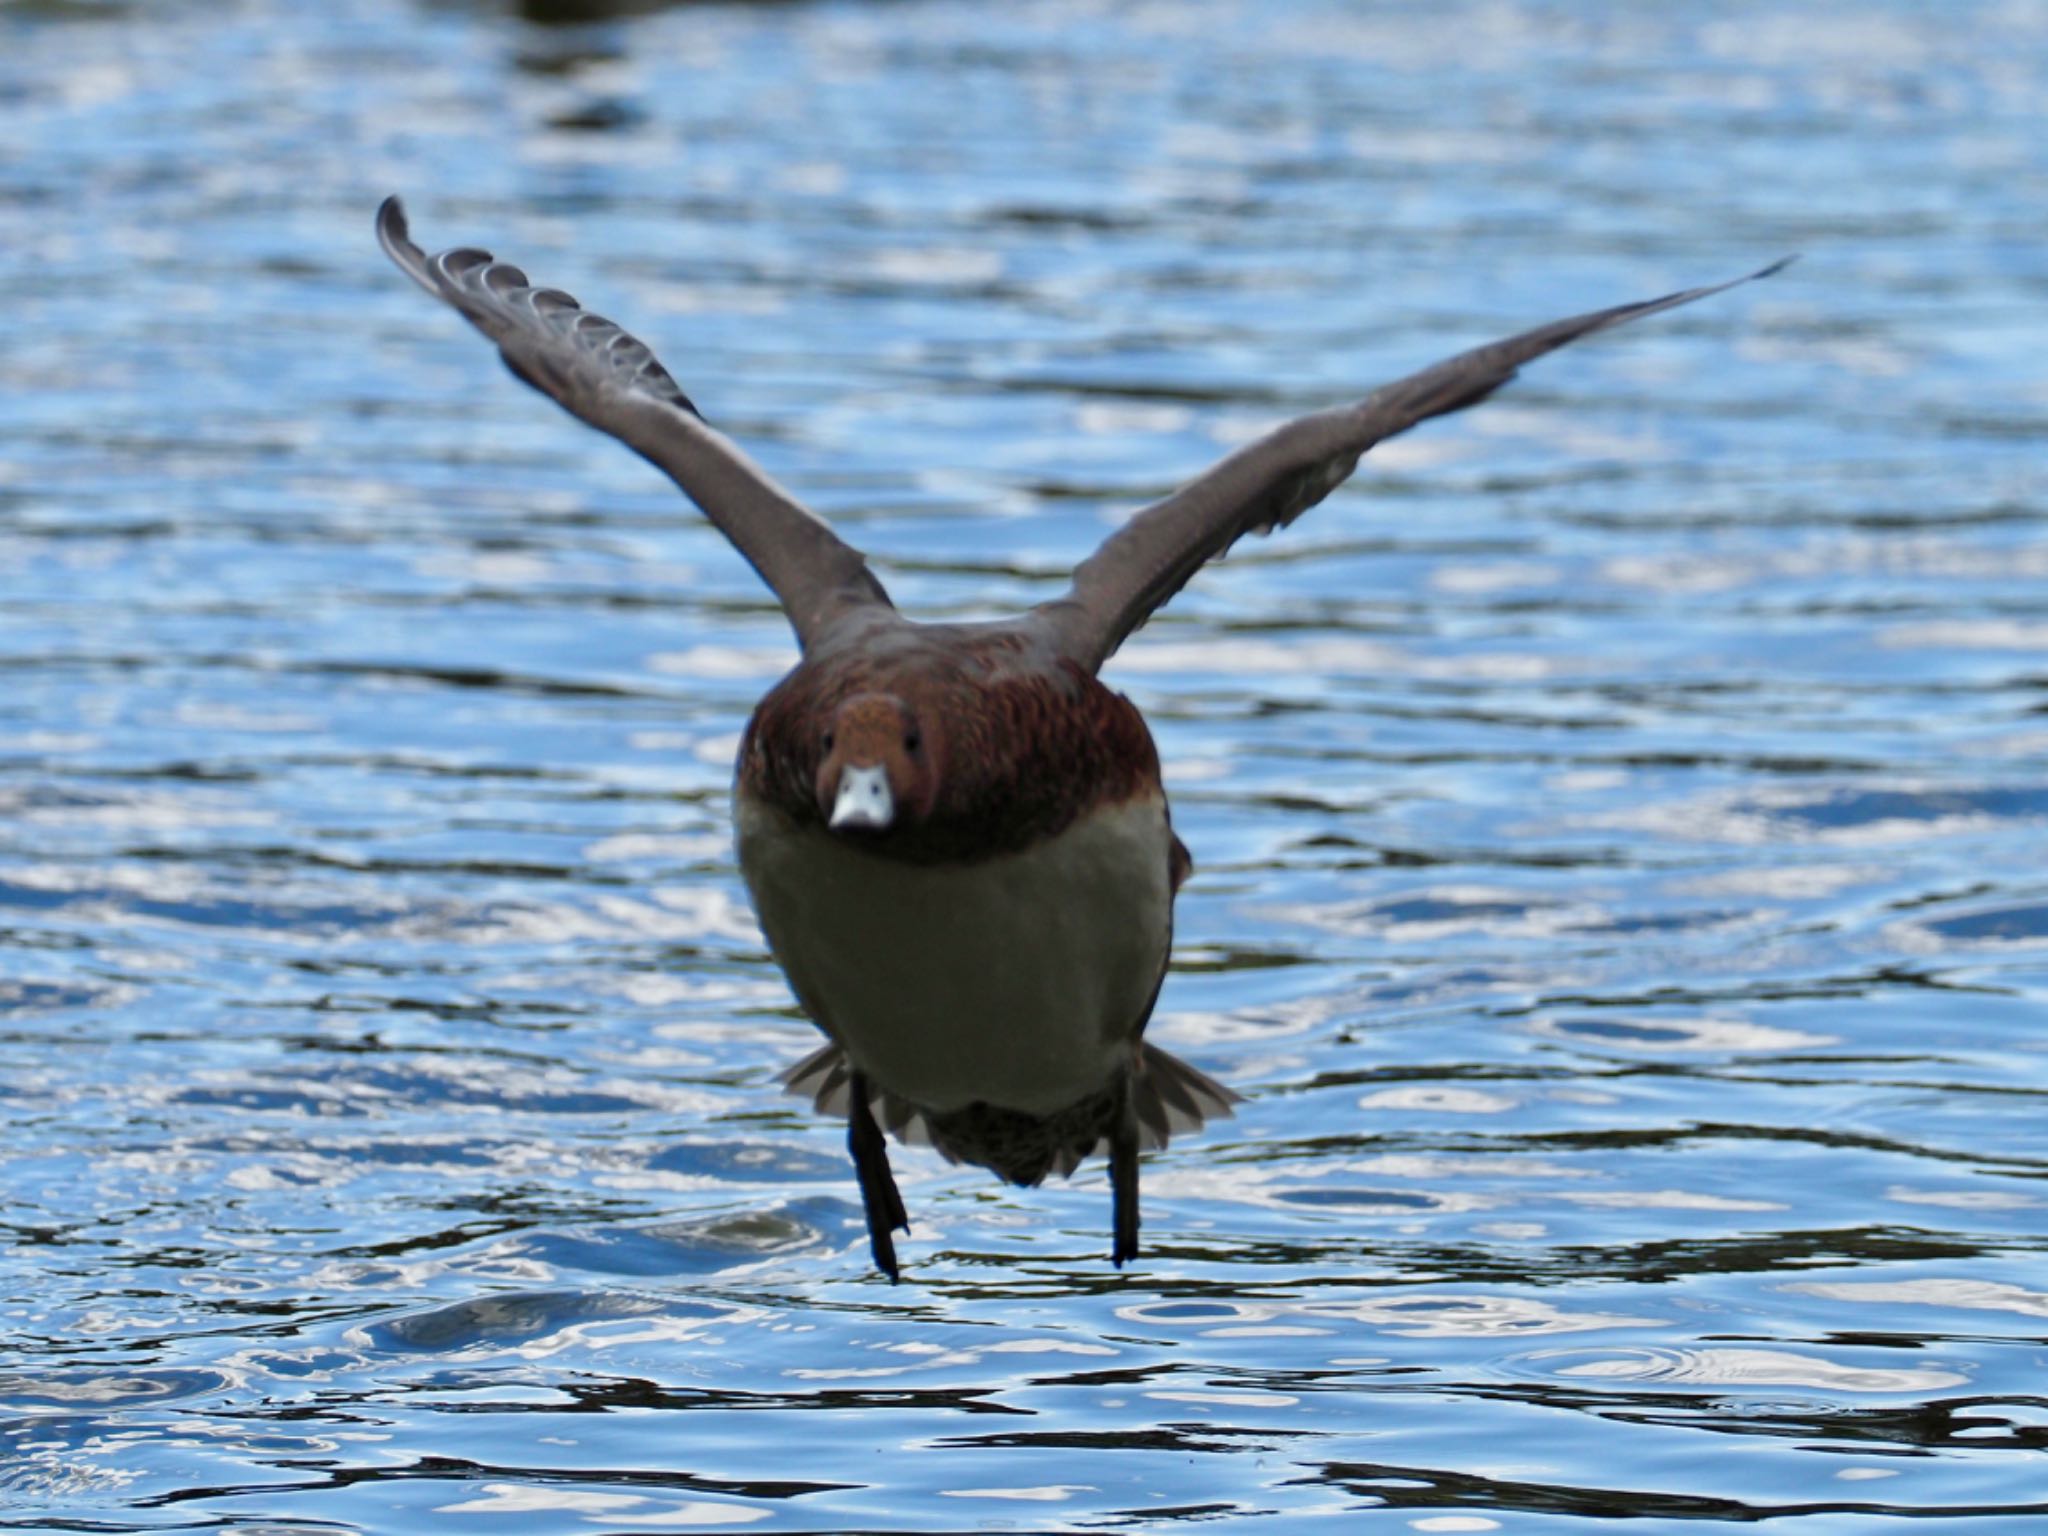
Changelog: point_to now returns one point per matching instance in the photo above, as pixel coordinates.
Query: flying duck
(955, 836)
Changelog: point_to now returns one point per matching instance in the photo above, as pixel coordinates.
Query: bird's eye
(912, 740)
(828, 741)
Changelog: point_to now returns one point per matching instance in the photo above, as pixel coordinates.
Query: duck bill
(864, 800)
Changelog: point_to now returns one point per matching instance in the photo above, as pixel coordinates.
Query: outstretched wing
(598, 373)
(1271, 482)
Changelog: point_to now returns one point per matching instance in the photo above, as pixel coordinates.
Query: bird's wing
(598, 373)
(1271, 482)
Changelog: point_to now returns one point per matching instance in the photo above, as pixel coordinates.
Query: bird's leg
(878, 1194)
(1123, 1177)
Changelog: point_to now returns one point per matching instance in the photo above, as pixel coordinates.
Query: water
(1620, 815)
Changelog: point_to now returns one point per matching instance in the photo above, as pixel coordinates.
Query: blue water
(1621, 814)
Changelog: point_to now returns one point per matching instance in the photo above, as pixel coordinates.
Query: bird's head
(878, 764)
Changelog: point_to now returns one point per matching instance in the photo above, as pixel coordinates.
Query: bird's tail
(1169, 1097)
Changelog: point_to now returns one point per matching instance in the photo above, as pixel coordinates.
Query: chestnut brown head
(878, 764)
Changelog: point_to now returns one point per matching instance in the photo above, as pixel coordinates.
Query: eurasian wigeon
(955, 836)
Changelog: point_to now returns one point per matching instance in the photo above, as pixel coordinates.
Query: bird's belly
(1019, 981)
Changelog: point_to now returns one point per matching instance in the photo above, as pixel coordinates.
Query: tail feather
(821, 1077)
(825, 1078)
(1169, 1096)
(1174, 1098)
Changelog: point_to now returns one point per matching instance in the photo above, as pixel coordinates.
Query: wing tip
(392, 229)
(1774, 268)
(395, 236)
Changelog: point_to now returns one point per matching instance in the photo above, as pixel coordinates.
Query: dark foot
(1123, 1181)
(878, 1194)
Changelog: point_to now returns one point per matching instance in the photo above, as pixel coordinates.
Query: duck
(955, 836)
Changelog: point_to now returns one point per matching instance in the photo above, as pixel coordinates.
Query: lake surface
(1620, 815)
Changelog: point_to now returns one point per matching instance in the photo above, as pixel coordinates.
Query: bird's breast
(1020, 980)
